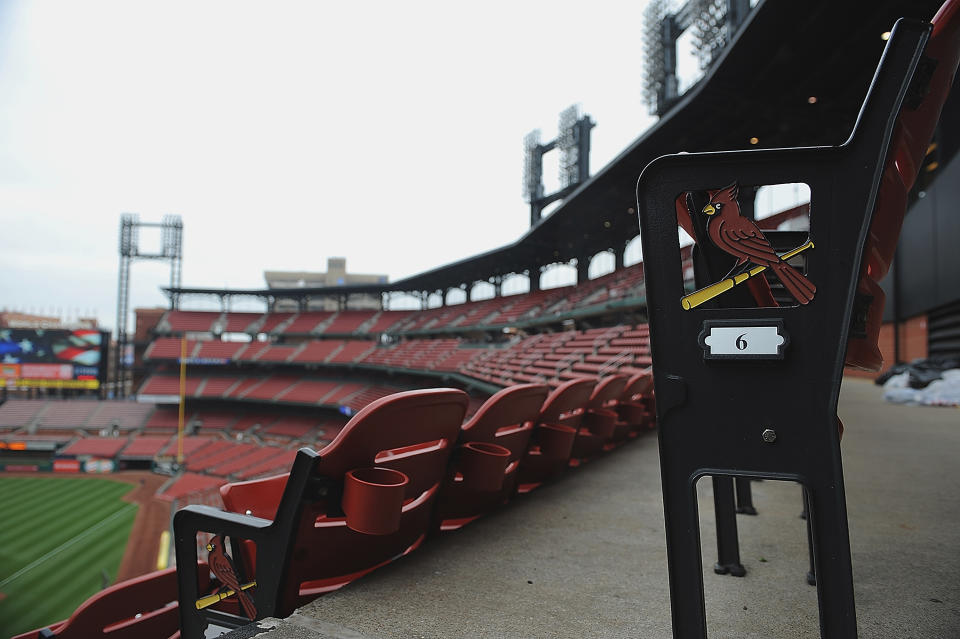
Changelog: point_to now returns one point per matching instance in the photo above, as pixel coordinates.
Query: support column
(533, 274)
(583, 264)
(618, 256)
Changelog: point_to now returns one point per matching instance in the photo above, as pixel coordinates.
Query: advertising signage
(53, 358)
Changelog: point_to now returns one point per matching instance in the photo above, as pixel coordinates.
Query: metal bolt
(769, 435)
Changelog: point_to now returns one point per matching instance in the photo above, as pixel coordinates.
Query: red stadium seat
(141, 608)
(555, 432)
(304, 531)
(506, 422)
(598, 427)
(914, 130)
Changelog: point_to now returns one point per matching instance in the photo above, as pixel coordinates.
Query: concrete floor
(585, 556)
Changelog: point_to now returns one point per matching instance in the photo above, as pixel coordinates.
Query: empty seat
(555, 432)
(483, 473)
(305, 539)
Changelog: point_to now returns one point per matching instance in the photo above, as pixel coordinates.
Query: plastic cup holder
(483, 465)
(556, 440)
(373, 498)
(601, 422)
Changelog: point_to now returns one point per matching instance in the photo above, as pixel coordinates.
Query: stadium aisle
(585, 557)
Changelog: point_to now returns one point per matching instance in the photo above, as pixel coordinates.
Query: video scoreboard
(53, 358)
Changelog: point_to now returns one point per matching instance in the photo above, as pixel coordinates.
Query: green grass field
(61, 540)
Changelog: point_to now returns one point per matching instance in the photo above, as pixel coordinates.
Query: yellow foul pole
(183, 392)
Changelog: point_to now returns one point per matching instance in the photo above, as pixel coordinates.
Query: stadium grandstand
(221, 397)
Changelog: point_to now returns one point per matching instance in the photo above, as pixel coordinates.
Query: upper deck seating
(348, 321)
(191, 321)
(240, 322)
(387, 320)
(317, 351)
(216, 349)
(352, 350)
(273, 321)
(292, 519)
(306, 323)
(483, 471)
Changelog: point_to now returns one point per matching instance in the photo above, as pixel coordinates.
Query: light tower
(171, 249)
(573, 142)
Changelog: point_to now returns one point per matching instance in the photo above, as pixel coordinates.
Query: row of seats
(620, 284)
(583, 352)
(404, 466)
(278, 387)
(73, 413)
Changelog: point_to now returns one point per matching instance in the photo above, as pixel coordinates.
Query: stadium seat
(363, 501)
(144, 607)
(483, 472)
(598, 427)
(636, 408)
(555, 432)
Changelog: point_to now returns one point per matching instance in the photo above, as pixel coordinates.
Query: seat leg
(728, 542)
(684, 559)
(745, 497)
(812, 572)
(831, 549)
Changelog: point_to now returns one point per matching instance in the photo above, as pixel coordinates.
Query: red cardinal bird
(741, 238)
(223, 568)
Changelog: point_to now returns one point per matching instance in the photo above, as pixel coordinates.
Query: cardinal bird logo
(222, 566)
(741, 238)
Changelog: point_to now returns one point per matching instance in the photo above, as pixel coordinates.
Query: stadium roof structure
(794, 75)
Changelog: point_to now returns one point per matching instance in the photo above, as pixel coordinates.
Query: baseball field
(61, 540)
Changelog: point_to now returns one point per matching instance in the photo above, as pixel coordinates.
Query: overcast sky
(284, 133)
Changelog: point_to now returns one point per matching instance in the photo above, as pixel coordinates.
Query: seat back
(506, 418)
(914, 130)
(139, 608)
(567, 402)
(412, 432)
(607, 392)
(308, 547)
(638, 384)
(481, 478)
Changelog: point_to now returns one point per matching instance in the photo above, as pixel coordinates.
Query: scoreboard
(53, 358)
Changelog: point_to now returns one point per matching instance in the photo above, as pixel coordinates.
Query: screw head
(769, 435)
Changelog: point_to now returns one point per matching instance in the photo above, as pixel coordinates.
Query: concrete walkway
(585, 557)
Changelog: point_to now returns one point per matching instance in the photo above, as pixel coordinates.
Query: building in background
(336, 275)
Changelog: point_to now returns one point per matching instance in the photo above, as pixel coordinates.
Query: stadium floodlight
(712, 24)
(710, 30)
(567, 144)
(573, 141)
(532, 167)
(171, 249)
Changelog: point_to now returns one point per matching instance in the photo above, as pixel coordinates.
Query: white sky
(284, 133)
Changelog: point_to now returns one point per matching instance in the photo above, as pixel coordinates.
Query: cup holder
(483, 465)
(555, 440)
(373, 498)
(600, 422)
